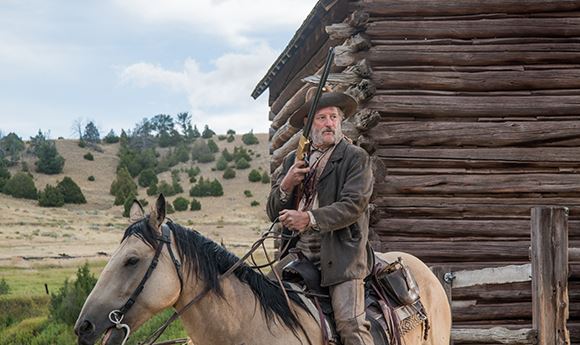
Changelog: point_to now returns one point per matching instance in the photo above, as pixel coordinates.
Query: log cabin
(470, 111)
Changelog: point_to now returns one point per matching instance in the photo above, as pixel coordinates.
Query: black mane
(208, 260)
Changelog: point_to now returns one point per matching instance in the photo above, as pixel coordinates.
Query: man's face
(326, 127)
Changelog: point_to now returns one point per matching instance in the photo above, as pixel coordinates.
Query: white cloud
(231, 19)
(220, 96)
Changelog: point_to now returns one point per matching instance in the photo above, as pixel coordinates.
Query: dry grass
(28, 230)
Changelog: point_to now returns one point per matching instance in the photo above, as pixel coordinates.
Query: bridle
(116, 316)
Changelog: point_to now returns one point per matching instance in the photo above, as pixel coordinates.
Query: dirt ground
(33, 234)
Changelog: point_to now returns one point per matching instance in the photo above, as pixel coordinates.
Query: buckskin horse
(158, 266)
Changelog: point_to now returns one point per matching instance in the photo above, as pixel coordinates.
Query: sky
(116, 62)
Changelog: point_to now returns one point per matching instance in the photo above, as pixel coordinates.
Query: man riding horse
(326, 202)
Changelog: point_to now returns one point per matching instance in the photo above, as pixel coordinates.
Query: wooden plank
(492, 275)
(478, 81)
(483, 184)
(437, 252)
(500, 335)
(480, 134)
(550, 272)
(474, 29)
(391, 8)
(573, 254)
(475, 106)
(499, 293)
(473, 55)
(484, 313)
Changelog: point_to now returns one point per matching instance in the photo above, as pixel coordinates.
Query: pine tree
(71, 192)
(123, 186)
(50, 197)
(91, 134)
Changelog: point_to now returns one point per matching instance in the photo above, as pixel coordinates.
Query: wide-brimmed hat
(341, 100)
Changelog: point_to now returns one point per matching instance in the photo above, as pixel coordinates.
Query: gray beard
(317, 137)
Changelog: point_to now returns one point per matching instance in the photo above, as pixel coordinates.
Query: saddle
(392, 301)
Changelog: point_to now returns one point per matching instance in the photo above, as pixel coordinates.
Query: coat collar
(337, 155)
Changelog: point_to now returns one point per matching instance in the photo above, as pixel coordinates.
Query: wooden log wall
(480, 111)
(471, 111)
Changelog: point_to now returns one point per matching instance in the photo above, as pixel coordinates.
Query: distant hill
(229, 216)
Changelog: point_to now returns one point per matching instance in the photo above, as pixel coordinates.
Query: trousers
(348, 305)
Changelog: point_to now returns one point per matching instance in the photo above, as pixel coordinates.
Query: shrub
(91, 178)
(240, 152)
(66, 305)
(227, 155)
(250, 139)
(4, 176)
(123, 186)
(147, 178)
(229, 173)
(49, 161)
(201, 152)
(222, 137)
(165, 188)
(242, 163)
(180, 204)
(20, 307)
(248, 193)
(111, 137)
(265, 177)
(71, 191)
(254, 176)
(21, 185)
(195, 205)
(152, 190)
(221, 164)
(212, 146)
(230, 138)
(89, 156)
(192, 173)
(231, 132)
(4, 287)
(206, 188)
(254, 203)
(127, 205)
(207, 133)
(50, 197)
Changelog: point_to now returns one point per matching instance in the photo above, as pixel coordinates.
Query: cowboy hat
(341, 100)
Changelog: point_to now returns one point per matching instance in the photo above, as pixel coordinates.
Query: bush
(4, 176)
(127, 205)
(201, 152)
(250, 139)
(152, 190)
(49, 161)
(21, 185)
(169, 208)
(50, 197)
(221, 164)
(180, 204)
(254, 203)
(123, 186)
(4, 287)
(206, 188)
(207, 133)
(265, 177)
(111, 137)
(254, 176)
(91, 178)
(242, 163)
(195, 205)
(89, 156)
(66, 305)
(147, 178)
(165, 188)
(230, 138)
(229, 173)
(227, 155)
(240, 152)
(222, 137)
(212, 146)
(19, 308)
(71, 191)
(248, 193)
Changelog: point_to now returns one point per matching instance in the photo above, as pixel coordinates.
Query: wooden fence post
(550, 274)
(443, 273)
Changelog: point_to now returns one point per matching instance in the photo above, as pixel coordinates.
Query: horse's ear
(157, 215)
(136, 212)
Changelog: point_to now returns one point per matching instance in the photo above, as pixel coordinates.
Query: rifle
(304, 143)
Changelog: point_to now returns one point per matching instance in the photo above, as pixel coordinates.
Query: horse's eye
(132, 261)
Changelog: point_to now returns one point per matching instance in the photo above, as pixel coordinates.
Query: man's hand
(294, 176)
(294, 220)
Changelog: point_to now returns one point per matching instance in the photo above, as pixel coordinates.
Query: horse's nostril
(85, 327)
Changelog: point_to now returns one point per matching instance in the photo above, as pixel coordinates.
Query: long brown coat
(344, 189)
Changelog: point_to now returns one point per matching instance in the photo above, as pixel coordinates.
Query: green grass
(30, 281)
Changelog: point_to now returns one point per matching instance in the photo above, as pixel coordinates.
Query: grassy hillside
(93, 229)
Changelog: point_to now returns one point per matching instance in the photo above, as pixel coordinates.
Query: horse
(157, 267)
